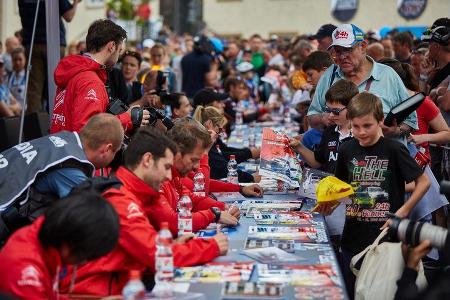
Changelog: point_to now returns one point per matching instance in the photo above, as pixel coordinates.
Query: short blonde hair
(102, 129)
(203, 114)
(365, 104)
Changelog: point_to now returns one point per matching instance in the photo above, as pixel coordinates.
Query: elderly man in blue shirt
(351, 62)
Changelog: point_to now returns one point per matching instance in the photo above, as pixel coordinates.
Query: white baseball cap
(346, 35)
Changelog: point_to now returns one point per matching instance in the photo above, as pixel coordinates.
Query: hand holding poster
(278, 160)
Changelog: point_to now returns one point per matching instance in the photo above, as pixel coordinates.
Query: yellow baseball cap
(331, 188)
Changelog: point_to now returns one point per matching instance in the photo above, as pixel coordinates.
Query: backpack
(20, 213)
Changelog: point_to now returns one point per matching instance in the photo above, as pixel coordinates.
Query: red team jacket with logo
(136, 248)
(165, 209)
(80, 94)
(28, 271)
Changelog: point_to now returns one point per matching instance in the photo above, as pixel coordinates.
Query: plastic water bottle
(164, 263)
(232, 176)
(184, 215)
(199, 184)
(251, 136)
(134, 289)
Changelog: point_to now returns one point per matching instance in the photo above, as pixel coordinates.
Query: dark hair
(132, 54)
(405, 71)
(365, 104)
(101, 32)
(404, 38)
(232, 81)
(85, 222)
(341, 92)
(187, 134)
(317, 61)
(175, 100)
(18, 50)
(147, 139)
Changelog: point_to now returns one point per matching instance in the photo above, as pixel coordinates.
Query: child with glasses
(326, 154)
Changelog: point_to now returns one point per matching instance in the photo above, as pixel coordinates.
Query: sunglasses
(334, 111)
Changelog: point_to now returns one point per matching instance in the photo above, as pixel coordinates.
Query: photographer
(80, 80)
(407, 288)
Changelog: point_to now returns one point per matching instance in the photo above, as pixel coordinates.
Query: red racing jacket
(28, 270)
(80, 94)
(165, 209)
(211, 185)
(137, 243)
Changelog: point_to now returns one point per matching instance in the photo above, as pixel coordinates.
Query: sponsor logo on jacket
(30, 276)
(133, 211)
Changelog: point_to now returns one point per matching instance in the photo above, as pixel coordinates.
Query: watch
(216, 211)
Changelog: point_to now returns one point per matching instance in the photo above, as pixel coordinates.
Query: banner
(344, 10)
(411, 9)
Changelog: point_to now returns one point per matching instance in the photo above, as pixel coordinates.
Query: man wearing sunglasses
(352, 63)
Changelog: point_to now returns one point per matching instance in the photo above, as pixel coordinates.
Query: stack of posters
(215, 272)
(252, 290)
(305, 234)
(298, 275)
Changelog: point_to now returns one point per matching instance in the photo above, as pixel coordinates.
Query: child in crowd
(377, 168)
(326, 154)
(314, 66)
(16, 79)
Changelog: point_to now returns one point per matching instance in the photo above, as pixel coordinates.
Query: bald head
(11, 43)
(102, 129)
(376, 51)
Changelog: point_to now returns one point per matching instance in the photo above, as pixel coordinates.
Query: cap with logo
(347, 35)
(439, 34)
(331, 188)
(207, 96)
(324, 31)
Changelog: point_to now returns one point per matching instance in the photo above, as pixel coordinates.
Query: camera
(117, 107)
(161, 91)
(413, 233)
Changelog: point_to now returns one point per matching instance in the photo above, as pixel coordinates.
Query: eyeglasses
(334, 111)
(342, 51)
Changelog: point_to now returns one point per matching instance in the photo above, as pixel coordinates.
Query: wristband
(216, 211)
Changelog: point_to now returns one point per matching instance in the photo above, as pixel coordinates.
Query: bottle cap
(164, 225)
(232, 156)
(135, 274)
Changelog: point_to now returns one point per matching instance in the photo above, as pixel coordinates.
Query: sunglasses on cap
(334, 111)
(133, 54)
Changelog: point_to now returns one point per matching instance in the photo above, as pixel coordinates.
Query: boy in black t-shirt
(326, 153)
(377, 168)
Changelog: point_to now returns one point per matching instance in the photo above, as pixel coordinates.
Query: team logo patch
(91, 95)
(30, 276)
(133, 211)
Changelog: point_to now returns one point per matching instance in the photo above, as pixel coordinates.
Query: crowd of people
(150, 116)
